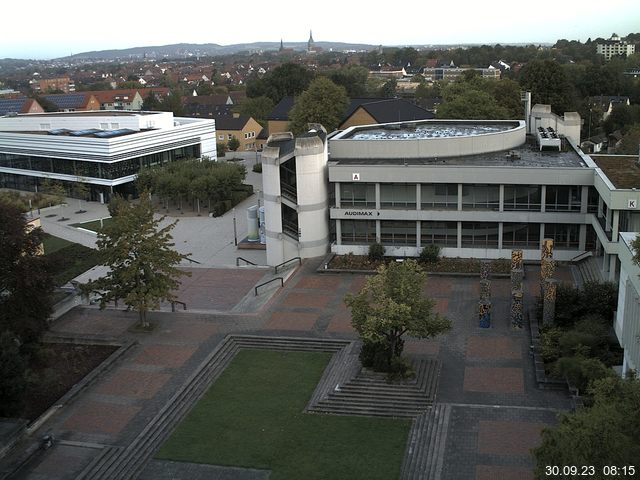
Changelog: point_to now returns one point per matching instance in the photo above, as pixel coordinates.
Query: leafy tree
(388, 89)
(25, 280)
(233, 144)
(636, 249)
(258, 108)
(471, 105)
(353, 78)
(12, 374)
(151, 102)
(323, 102)
(392, 304)
(548, 84)
(173, 103)
(142, 262)
(289, 79)
(608, 433)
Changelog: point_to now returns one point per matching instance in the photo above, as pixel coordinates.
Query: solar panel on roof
(114, 133)
(87, 131)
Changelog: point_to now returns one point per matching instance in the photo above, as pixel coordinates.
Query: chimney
(236, 115)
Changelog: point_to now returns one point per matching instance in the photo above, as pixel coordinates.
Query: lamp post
(235, 231)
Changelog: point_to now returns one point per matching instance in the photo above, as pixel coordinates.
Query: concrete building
(100, 148)
(614, 47)
(476, 188)
(627, 319)
(296, 195)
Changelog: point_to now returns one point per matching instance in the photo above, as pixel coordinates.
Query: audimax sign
(360, 213)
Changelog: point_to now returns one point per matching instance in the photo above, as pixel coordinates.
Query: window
(439, 196)
(563, 198)
(229, 136)
(357, 195)
(480, 197)
(521, 235)
(480, 234)
(522, 197)
(564, 236)
(359, 232)
(398, 232)
(444, 234)
(398, 195)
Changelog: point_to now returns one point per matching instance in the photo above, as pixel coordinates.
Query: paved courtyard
(497, 411)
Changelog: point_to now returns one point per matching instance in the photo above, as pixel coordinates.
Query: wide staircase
(589, 270)
(372, 394)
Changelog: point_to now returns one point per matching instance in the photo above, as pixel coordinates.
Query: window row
(83, 168)
(473, 234)
(444, 196)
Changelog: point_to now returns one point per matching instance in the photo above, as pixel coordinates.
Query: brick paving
(486, 377)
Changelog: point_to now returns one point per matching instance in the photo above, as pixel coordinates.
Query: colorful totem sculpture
(484, 305)
(517, 276)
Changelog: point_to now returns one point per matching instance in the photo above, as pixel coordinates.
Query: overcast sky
(51, 30)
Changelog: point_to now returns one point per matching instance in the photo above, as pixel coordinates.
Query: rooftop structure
(622, 170)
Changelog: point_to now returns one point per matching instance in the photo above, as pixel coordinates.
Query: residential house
(278, 118)
(606, 103)
(121, 99)
(242, 127)
(64, 84)
(19, 105)
(208, 106)
(73, 102)
(368, 111)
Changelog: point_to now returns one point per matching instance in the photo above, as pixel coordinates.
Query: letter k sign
(632, 203)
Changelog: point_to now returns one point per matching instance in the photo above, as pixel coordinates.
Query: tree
(233, 144)
(142, 262)
(548, 84)
(388, 89)
(289, 79)
(80, 190)
(605, 434)
(151, 102)
(26, 284)
(391, 304)
(257, 108)
(12, 374)
(323, 102)
(353, 78)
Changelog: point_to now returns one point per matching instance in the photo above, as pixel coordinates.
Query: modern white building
(104, 149)
(627, 319)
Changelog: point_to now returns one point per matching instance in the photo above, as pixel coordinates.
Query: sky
(51, 30)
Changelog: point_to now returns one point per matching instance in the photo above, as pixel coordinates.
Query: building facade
(103, 149)
(627, 318)
(615, 47)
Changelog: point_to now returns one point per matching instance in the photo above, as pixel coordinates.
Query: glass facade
(85, 168)
(480, 197)
(520, 235)
(565, 237)
(444, 234)
(358, 232)
(398, 195)
(358, 195)
(563, 198)
(398, 232)
(439, 196)
(522, 197)
(479, 235)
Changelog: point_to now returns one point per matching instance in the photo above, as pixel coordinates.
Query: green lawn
(68, 260)
(93, 225)
(253, 417)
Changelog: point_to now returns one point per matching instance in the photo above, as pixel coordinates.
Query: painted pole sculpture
(548, 286)
(517, 275)
(484, 305)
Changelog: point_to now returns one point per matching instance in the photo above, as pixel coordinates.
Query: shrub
(549, 344)
(430, 254)
(376, 252)
(257, 168)
(580, 371)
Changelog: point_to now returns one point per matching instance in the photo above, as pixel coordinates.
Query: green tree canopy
(258, 108)
(289, 79)
(353, 78)
(233, 144)
(142, 262)
(548, 84)
(605, 434)
(26, 284)
(630, 141)
(392, 304)
(323, 102)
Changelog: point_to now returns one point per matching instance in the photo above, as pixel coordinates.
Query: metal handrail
(193, 261)
(265, 283)
(287, 261)
(173, 305)
(581, 256)
(244, 260)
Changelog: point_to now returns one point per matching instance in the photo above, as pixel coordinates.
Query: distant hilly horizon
(213, 49)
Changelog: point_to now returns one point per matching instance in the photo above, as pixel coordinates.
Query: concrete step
(368, 411)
